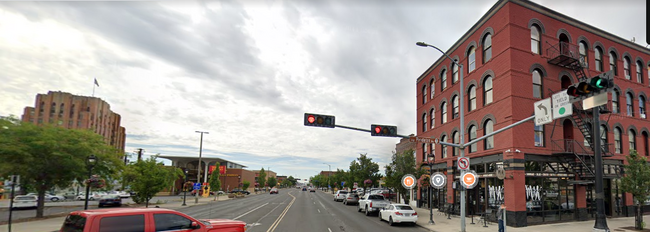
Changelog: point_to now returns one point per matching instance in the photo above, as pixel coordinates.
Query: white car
(25, 201)
(49, 197)
(340, 195)
(398, 213)
(93, 196)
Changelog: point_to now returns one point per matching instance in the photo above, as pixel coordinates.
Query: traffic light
(602, 83)
(319, 120)
(383, 130)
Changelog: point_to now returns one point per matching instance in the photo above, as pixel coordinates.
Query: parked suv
(340, 195)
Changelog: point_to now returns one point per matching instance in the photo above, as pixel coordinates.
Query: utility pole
(601, 220)
(198, 176)
(140, 153)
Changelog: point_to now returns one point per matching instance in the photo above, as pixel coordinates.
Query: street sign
(561, 105)
(408, 181)
(543, 112)
(197, 186)
(469, 179)
(501, 173)
(463, 163)
(596, 100)
(438, 180)
(423, 140)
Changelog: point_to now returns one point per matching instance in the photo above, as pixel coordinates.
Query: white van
(25, 201)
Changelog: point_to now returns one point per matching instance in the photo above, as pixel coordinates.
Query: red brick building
(518, 53)
(77, 112)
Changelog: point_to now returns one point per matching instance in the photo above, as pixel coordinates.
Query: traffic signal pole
(364, 130)
(601, 220)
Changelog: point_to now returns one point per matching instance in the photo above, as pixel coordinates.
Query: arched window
(61, 109)
(629, 101)
(582, 49)
(537, 84)
(71, 111)
(487, 47)
(472, 98)
(603, 135)
(454, 70)
(612, 62)
(631, 136)
(615, 108)
(443, 147)
(626, 68)
(424, 122)
(424, 94)
(472, 136)
(642, 107)
(488, 128)
(535, 39)
(639, 72)
(433, 118)
(539, 136)
(443, 80)
(471, 59)
(598, 53)
(454, 105)
(432, 86)
(52, 109)
(443, 113)
(424, 152)
(487, 90)
(456, 137)
(617, 140)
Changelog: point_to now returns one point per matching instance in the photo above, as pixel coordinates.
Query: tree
(637, 182)
(214, 182)
(46, 156)
(246, 184)
(292, 180)
(401, 164)
(316, 180)
(148, 177)
(363, 168)
(261, 179)
(286, 183)
(272, 182)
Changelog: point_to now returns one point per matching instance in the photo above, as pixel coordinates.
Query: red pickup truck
(144, 220)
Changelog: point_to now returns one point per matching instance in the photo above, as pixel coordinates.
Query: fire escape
(580, 159)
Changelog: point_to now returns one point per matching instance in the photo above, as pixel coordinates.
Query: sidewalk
(54, 223)
(453, 224)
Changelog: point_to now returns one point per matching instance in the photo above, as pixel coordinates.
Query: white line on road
(329, 229)
(318, 210)
(250, 211)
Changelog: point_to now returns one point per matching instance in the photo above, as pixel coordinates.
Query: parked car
(25, 201)
(122, 194)
(274, 190)
(219, 192)
(93, 196)
(312, 190)
(304, 188)
(145, 219)
(240, 191)
(49, 197)
(372, 203)
(111, 199)
(351, 198)
(398, 213)
(340, 195)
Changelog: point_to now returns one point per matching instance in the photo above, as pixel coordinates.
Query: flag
(97, 84)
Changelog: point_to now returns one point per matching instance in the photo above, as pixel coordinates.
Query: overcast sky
(247, 71)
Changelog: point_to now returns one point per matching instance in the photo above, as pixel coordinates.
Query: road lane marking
(250, 211)
(318, 210)
(277, 221)
(329, 229)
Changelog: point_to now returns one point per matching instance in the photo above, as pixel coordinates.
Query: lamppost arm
(423, 44)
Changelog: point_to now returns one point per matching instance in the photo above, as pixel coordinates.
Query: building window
(642, 107)
(639, 73)
(472, 98)
(632, 137)
(539, 136)
(488, 127)
(433, 118)
(534, 39)
(617, 140)
(537, 84)
(630, 107)
(424, 94)
(487, 48)
(582, 49)
(598, 53)
(424, 152)
(454, 106)
(472, 136)
(471, 59)
(432, 87)
(443, 80)
(456, 137)
(454, 70)
(487, 90)
(612, 63)
(443, 114)
(444, 148)
(615, 108)
(603, 136)
(424, 122)
(52, 109)
(626, 68)
(72, 111)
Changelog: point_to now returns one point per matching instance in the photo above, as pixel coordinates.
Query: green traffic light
(599, 83)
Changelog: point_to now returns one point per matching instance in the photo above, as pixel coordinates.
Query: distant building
(404, 145)
(77, 112)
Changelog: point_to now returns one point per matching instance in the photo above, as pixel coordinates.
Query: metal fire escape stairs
(582, 162)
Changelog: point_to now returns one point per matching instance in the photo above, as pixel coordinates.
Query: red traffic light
(311, 118)
(378, 129)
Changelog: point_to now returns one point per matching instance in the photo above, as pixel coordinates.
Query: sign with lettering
(561, 105)
(423, 140)
(543, 112)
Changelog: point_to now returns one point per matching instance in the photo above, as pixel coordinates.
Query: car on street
(110, 200)
(122, 194)
(144, 219)
(49, 197)
(304, 188)
(25, 201)
(370, 203)
(312, 190)
(93, 196)
(351, 198)
(240, 191)
(340, 195)
(398, 213)
(273, 191)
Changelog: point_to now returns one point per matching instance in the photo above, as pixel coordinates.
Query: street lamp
(328, 176)
(90, 163)
(461, 146)
(198, 176)
(185, 187)
(431, 158)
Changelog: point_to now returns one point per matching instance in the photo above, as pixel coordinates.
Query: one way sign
(543, 112)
